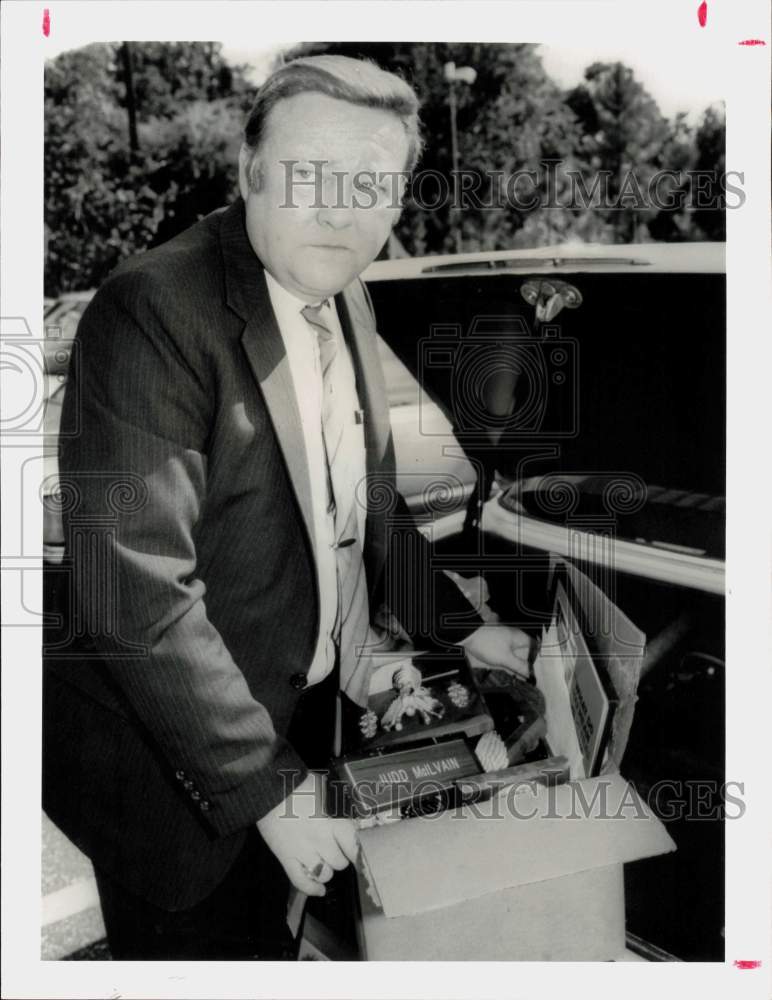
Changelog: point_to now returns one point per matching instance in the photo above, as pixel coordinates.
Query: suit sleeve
(430, 607)
(138, 467)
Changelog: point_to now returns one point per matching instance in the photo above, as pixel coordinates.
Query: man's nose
(336, 210)
(335, 216)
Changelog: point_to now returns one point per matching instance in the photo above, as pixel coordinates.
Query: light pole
(456, 74)
(131, 104)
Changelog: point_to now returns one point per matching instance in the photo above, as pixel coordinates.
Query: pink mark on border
(702, 14)
(743, 963)
(46, 22)
(752, 41)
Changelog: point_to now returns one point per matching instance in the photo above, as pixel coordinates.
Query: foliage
(512, 118)
(711, 156)
(169, 75)
(110, 193)
(624, 133)
(105, 201)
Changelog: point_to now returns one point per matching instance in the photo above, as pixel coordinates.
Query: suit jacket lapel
(358, 327)
(359, 330)
(247, 295)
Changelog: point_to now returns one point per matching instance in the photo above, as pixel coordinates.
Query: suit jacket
(188, 528)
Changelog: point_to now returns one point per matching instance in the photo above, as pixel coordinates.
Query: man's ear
(249, 171)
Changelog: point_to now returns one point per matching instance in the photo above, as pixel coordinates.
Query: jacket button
(298, 681)
(204, 805)
(180, 775)
(187, 785)
(195, 796)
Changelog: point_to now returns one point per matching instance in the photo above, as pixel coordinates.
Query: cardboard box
(536, 878)
(534, 874)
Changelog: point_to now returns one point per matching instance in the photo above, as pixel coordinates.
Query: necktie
(340, 438)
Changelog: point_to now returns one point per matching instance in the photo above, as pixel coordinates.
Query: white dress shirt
(302, 348)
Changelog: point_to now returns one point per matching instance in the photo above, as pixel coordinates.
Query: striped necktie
(340, 438)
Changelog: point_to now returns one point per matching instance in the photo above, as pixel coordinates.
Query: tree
(512, 118)
(697, 154)
(109, 195)
(169, 75)
(623, 135)
(105, 200)
(710, 143)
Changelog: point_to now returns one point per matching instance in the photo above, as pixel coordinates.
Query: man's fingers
(346, 835)
(475, 661)
(334, 856)
(320, 872)
(520, 668)
(323, 872)
(299, 876)
(520, 661)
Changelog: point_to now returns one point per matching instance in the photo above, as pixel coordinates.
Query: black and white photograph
(386, 530)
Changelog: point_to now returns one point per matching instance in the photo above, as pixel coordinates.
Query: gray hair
(358, 81)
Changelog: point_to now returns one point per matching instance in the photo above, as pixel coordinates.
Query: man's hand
(498, 647)
(309, 844)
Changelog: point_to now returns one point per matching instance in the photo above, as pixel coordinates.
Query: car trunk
(632, 379)
(627, 389)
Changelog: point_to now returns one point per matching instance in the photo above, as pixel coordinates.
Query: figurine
(368, 724)
(412, 698)
(491, 752)
(458, 694)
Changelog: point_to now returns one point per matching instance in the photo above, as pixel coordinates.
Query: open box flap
(542, 833)
(622, 646)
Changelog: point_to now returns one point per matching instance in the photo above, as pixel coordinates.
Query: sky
(678, 80)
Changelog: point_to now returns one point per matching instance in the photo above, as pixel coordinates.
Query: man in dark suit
(232, 526)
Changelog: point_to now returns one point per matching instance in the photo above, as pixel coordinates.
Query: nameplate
(401, 779)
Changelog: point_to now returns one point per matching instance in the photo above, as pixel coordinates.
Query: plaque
(408, 781)
(426, 697)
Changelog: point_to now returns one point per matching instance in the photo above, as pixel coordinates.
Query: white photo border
(664, 29)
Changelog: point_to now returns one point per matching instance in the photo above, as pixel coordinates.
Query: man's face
(315, 228)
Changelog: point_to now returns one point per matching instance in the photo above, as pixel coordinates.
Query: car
(585, 385)
(569, 400)
(60, 320)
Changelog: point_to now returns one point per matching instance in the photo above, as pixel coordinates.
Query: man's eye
(304, 173)
(382, 189)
